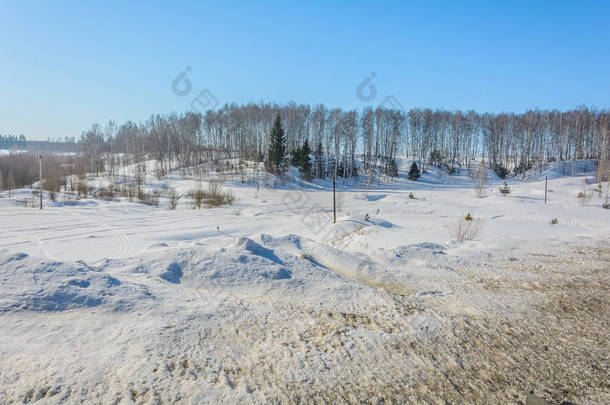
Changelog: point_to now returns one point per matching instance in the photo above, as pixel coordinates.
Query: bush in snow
(82, 188)
(505, 189)
(152, 198)
(173, 199)
(214, 196)
(465, 229)
(411, 196)
(554, 221)
(367, 217)
(197, 195)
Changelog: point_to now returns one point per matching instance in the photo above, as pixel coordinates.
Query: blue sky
(65, 65)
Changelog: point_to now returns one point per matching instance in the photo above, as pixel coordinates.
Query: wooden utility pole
(546, 179)
(334, 203)
(40, 178)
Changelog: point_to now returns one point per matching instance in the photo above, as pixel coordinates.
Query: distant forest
(342, 143)
(363, 141)
(14, 142)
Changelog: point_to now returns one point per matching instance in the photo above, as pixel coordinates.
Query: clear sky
(65, 65)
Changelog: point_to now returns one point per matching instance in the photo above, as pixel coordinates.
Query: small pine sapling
(505, 189)
(413, 172)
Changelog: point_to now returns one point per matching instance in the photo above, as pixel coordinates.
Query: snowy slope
(267, 301)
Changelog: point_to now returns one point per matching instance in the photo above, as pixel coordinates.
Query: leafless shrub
(82, 188)
(132, 192)
(22, 168)
(10, 183)
(141, 195)
(197, 195)
(108, 193)
(173, 199)
(466, 228)
(123, 191)
(149, 198)
(215, 196)
(152, 198)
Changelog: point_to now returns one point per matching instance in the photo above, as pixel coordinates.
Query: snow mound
(375, 197)
(173, 273)
(380, 222)
(351, 266)
(290, 244)
(258, 250)
(28, 283)
(561, 169)
(243, 262)
(79, 203)
(420, 250)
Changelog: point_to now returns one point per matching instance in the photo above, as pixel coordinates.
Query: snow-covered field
(267, 301)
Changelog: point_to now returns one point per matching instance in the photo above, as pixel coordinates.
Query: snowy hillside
(265, 300)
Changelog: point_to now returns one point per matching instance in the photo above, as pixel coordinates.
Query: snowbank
(29, 283)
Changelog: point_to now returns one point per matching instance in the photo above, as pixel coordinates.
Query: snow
(267, 301)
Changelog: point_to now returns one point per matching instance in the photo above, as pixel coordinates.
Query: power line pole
(334, 203)
(40, 179)
(546, 179)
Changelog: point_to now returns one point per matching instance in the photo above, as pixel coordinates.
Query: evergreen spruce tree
(295, 156)
(392, 169)
(277, 148)
(414, 172)
(305, 162)
(319, 157)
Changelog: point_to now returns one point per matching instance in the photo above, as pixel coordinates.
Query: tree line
(12, 142)
(365, 141)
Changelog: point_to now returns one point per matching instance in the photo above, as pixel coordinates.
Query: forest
(325, 141)
(363, 141)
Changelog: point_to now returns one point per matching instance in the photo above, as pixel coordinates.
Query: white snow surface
(117, 302)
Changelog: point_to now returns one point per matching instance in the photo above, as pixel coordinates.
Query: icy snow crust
(115, 302)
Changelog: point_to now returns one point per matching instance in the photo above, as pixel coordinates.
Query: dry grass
(213, 196)
(465, 229)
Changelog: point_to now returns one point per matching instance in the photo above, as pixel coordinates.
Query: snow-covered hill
(266, 300)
